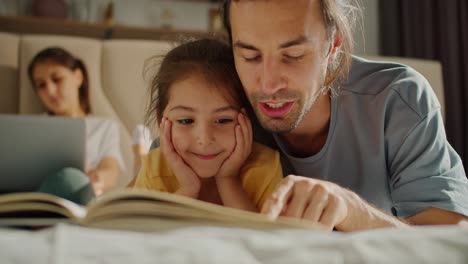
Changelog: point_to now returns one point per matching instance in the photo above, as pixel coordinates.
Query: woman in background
(61, 82)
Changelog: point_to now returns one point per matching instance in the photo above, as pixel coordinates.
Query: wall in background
(367, 36)
(156, 13)
(182, 15)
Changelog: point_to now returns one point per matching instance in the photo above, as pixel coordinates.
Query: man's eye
(185, 121)
(224, 120)
(252, 59)
(294, 57)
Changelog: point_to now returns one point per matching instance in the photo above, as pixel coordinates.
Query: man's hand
(189, 182)
(244, 137)
(314, 200)
(326, 203)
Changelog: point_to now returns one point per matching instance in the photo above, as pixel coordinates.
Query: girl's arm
(228, 179)
(233, 195)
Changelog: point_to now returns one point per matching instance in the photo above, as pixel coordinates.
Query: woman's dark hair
(64, 58)
(210, 57)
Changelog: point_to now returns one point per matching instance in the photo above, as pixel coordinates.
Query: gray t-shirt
(387, 143)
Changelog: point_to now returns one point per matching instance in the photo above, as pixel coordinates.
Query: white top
(102, 140)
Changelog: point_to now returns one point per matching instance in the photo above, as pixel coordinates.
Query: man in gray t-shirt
(386, 142)
(360, 134)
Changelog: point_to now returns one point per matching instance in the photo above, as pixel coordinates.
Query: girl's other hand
(244, 139)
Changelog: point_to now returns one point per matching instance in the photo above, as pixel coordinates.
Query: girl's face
(58, 87)
(203, 123)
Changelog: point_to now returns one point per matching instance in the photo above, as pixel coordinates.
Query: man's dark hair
(339, 17)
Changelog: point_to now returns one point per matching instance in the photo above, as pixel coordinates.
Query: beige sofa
(118, 89)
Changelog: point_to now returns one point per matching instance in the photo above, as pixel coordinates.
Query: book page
(143, 204)
(31, 205)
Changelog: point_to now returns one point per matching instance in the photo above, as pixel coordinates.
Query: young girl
(206, 147)
(61, 82)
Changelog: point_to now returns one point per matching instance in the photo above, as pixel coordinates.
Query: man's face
(281, 54)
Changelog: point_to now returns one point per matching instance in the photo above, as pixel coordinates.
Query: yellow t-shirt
(260, 174)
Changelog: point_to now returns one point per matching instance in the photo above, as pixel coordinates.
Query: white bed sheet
(71, 244)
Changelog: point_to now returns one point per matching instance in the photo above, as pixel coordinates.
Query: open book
(136, 210)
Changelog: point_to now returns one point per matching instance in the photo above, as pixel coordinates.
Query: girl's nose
(204, 135)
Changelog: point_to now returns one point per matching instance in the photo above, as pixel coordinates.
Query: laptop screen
(34, 147)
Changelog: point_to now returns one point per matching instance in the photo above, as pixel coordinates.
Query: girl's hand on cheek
(189, 182)
(243, 133)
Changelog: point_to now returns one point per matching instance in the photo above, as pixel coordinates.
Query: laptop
(34, 147)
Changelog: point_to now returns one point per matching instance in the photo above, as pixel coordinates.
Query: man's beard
(292, 119)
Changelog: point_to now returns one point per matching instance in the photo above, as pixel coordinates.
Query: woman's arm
(105, 176)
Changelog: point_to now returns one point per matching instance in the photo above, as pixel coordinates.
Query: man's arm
(435, 216)
(334, 206)
(325, 203)
(366, 216)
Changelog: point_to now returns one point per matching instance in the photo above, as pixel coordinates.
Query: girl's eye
(57, 79)
(224, 120)
(185, 121)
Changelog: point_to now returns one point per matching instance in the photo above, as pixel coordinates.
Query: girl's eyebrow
(181, 107)
(226, 108)
(217, 110)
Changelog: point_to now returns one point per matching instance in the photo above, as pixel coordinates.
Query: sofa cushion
(9, 73)
(123, 77)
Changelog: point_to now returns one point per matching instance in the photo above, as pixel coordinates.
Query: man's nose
(271, 79)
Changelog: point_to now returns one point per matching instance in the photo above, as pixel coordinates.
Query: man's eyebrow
(298, 41)
(242, 45)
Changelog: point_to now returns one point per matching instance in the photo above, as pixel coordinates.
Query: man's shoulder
(389, 82)
(374, 77)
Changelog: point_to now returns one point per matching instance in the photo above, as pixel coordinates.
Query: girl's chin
(205, 176)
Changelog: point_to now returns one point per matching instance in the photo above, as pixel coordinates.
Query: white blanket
(70, 244)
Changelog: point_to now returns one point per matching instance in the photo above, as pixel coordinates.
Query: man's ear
(335, 46)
